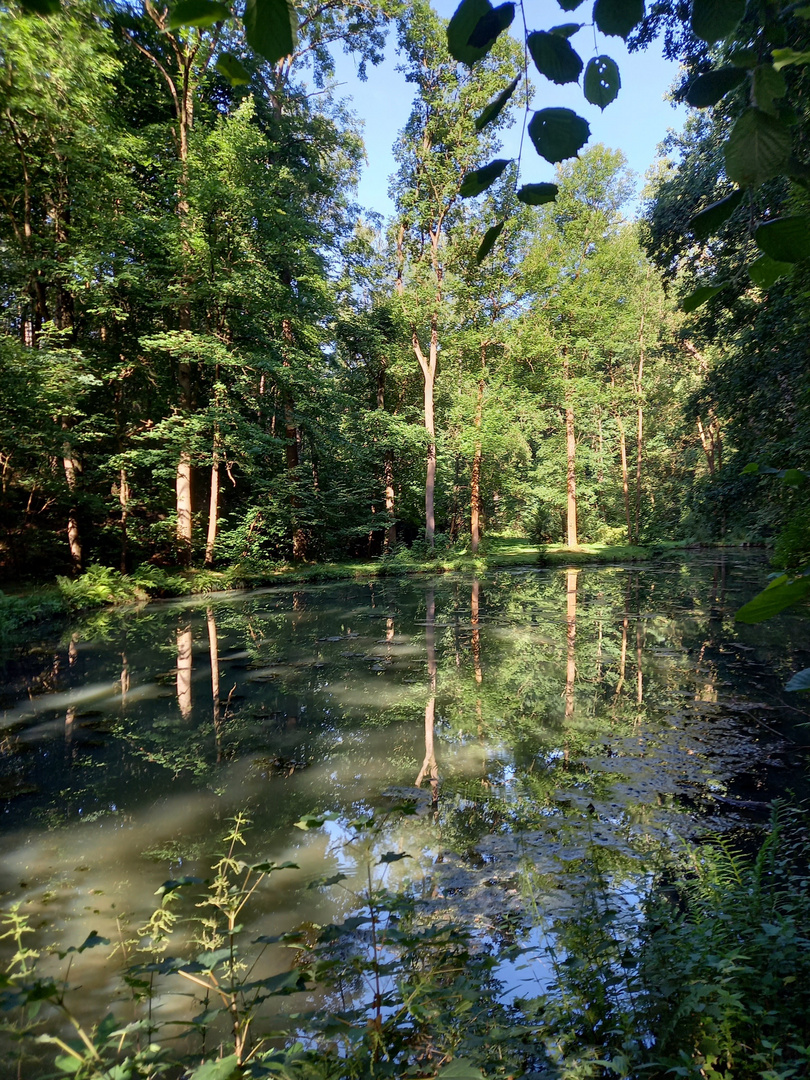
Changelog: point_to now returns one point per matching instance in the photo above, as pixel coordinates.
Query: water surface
(536, 718)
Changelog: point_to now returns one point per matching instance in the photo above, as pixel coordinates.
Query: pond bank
(24, 609)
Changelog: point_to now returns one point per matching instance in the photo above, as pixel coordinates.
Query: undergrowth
(706, 976)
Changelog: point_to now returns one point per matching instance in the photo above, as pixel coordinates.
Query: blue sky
(635, 122)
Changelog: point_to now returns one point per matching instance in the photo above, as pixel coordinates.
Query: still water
(532, 716)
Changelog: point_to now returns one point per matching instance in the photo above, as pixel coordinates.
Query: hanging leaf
(221, 1069)
(800, 681)
(558, 134)
(708, 221)
(459, 1069)
(495, 107)
(745, 58)
(234, 70)
(618, 17)
(197, 13)
(569, 5)
(757, 149)
(41, 7)
(785, 239)
(271, 28)
(701, 296)
(392, 856)
(785, 57)
(537, 194)
(765, 271)
(769, 86)
(715, 19)
(780, 594)
(480, 179)
(474, 28)
(566, 30)
(488, 241)
(707, 89)
(602, 81)
(554, 57)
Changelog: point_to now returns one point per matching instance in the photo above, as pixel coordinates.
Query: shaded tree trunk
(475, 479)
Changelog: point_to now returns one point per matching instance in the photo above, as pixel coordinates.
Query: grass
(25, 610)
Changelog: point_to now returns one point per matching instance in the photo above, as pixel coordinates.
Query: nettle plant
(390, 990)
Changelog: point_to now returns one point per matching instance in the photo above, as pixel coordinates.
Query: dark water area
(535, 718)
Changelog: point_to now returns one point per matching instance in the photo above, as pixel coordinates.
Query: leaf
(769, 86)
(554, 57)
(269, 867)
(474, 28)
(392, 856)
(322, 882)
(233, 70)
(785, 239)
(800, 681)
(177, 883)
(312, 821)
(764, 271)
(618, 17)
(271, 28)
(602, 81)
(537, 194)
(566, 30)
(459, 1069)
(197, 13)
(223, 1069)
(780, 594)
(558, 134)
(708, 221)
(750, 469)
(794, 477)
(715, 19)
(746, 58)
(488, 241)
(480, 179)
(495, 107)
(786, 57)
(41, 7)
(708, 89)
(701, 296)
(569, 5)
(757, 149)
(92, 941)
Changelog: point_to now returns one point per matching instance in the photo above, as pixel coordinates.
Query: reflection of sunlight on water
(536, 728)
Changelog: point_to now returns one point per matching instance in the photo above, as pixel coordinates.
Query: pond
(531, 717)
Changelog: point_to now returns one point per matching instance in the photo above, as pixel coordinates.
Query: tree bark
(430, 475)
(213, 503)
(625, 481)
(123, 499)
(72, 468)
(475, 479)
(639, 426)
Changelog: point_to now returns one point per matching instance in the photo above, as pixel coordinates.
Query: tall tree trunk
(625, 482)
(571, 478)
(430, 476)
(72, 468)
(123, 499)
(388, 468)
(639, 427)
(475, 479)
(213, 503)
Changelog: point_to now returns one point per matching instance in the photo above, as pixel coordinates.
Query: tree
(438, 155)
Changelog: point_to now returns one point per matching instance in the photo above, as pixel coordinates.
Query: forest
(212, 355)
(394, 681)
